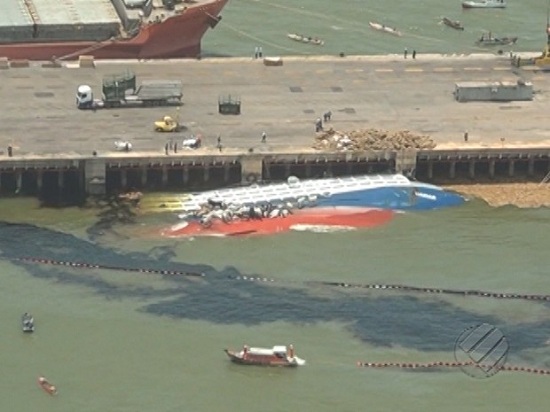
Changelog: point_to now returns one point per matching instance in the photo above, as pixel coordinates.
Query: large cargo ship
(106, 29)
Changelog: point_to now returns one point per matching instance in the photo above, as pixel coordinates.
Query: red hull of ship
(176, 37)
(329, 218)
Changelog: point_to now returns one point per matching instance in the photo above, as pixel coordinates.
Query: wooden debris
(523, 195)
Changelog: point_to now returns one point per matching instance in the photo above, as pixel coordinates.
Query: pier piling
(185, 173)
(452, 169)
(97, 176)
(252, 167)
(492, 163)
(530, 167)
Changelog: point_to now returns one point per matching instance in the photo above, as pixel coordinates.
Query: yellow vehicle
(541, 62)
(167, 124)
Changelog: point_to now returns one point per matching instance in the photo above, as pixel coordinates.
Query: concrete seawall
(114, 174)
(47, 144)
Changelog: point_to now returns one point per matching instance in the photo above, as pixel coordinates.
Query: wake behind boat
(484, 4)
(384, 28)
(306, 39)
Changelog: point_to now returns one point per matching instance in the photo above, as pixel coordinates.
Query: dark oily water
(159, 337)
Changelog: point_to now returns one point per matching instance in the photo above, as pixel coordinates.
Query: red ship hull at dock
(178, 36)
(320, 219)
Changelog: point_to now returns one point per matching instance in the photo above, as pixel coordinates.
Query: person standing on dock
(414, 54)
(264, 137)
(318, 125)
(219, 145)
(260, 52)
(166, 147)
(405, 52)
(256, 52)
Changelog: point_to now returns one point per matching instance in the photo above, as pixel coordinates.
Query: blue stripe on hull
(425, 197)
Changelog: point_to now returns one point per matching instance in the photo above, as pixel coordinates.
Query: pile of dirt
(524, 195)
(371, 139)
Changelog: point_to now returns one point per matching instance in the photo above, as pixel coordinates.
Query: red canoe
(326, 219)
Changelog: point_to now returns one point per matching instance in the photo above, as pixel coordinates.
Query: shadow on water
(112, 211)
(406, 321)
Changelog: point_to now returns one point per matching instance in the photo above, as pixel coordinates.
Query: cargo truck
(122, 91)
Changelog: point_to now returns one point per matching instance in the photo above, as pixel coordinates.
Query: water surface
(125, 341)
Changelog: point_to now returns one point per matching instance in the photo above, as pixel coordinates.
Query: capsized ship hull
(393, 191)
(316, 205)
(311, 219)
(178, 36)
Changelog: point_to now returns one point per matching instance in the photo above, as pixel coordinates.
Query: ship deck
(14, 14)
(48, 12)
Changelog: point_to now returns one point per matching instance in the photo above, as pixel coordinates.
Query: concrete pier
(483, 164)
(95, 174)
(251, 168)
(105, 175)
(384, 93)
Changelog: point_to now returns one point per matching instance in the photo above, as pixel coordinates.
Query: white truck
(122, 91)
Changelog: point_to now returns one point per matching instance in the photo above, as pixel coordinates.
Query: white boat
(454, 24)
(385, 29)
(484, 4)
(306, 39)
(392, 191)
(276, 356)
(490, 40)
(27, 323)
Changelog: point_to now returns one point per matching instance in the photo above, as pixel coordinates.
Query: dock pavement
(39, 118)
